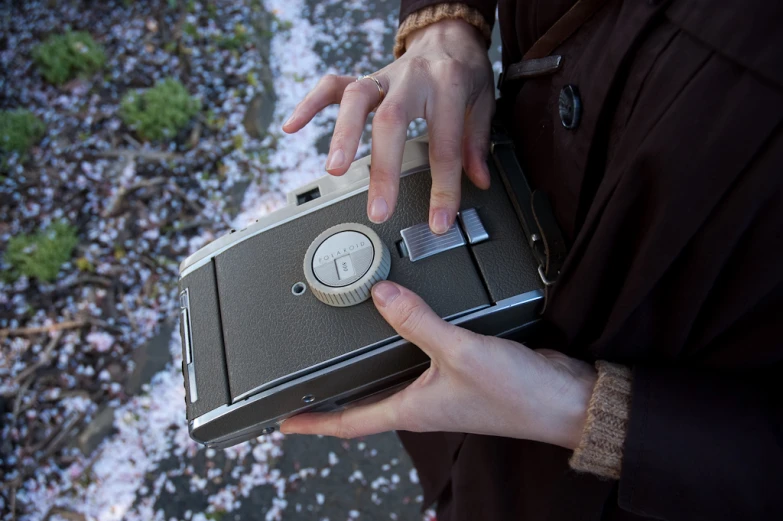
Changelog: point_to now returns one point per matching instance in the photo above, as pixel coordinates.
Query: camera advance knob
(343, 263)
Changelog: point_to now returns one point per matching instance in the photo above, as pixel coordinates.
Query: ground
(91, 391)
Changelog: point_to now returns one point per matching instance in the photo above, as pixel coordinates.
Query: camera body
(275, 318)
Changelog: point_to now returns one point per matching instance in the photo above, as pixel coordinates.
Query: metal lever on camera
(419, 242)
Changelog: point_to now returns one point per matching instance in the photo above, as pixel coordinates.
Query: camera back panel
(250, 332)
(270, 333)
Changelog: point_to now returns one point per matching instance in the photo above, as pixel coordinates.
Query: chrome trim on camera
(421, 242)
(472, 226)
(187, 344)
(193, 390)
(186, 347)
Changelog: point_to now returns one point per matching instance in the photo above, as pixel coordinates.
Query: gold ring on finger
(381, 91)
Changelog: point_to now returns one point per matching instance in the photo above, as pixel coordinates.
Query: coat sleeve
(691, 443)
(703, 437)
(703, 445)
(417, 14)
(708, 444)
(485, 7)
(705, 434)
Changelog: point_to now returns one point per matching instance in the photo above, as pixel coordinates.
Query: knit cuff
(436, 13)
(600, 450)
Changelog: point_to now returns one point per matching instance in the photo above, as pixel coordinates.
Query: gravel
(67, 347)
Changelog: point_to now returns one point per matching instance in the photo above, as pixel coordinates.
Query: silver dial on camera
(343, 263)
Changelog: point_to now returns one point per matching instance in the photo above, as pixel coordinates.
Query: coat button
(570, 107)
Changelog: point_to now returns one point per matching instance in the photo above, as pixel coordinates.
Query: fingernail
(440, 222)
(290, 120)
(384, 293)
(379, 210)
(336, 160)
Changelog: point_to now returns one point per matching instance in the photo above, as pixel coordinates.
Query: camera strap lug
(533, 209)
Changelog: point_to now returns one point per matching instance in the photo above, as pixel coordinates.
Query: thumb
(413, 319)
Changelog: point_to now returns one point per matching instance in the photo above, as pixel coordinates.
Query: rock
(150, 359)
(323, 144)
(262, 107)
(116, 371)
(100, 428)
(259, 113)
(234, 197)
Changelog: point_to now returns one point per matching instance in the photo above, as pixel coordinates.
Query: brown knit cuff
(436, 13)
(600, 450)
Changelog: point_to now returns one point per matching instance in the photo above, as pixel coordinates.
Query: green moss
(237, 40)
(84, 264)
(190, 30)
(41, 255)
(19, 130)
(159, 112)
(64, 56)
(213, 121)
(279, 25)
(238, 141)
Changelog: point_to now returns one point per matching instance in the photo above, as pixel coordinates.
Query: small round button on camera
(343, 263)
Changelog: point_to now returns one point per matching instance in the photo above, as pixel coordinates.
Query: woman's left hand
(475, 384)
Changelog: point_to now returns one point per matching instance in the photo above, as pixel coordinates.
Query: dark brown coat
(671, 193)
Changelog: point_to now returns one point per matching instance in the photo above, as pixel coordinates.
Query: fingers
(415, 321)
(328, 91)
(446, 124)
(475, 141)
(361, 420)
(389, 131)
(358, 99)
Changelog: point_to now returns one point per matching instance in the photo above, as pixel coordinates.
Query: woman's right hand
(444, 77)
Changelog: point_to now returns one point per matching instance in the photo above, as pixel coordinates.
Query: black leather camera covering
(267, 333)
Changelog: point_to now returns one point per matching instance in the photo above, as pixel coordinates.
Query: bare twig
(13, 502)
(37, 330)
(65, 514)
(75, 479)
(147, 183)
(48, 440)
(43, 359)
(131, 141)
(86, 278)
(57, 440)
(123, 192)
(149, 262)
(97, 322)
(192, 224)
(128, 314)
(192, 204)
(195, 135)
(60, 437)
(19, 397)
(154, 155)
(11, 484)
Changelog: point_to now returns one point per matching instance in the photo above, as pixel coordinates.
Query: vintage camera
(275, 318)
